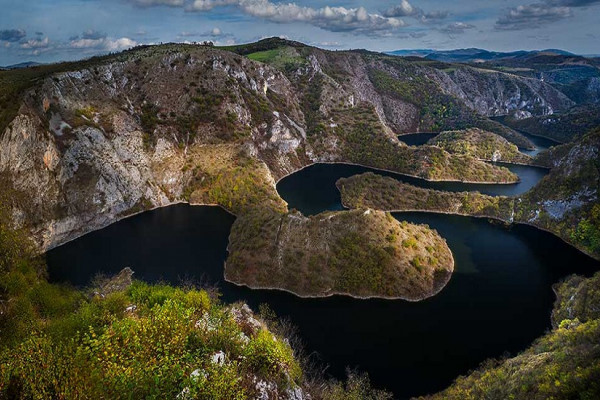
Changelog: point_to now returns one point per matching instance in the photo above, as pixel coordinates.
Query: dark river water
(541, 143)
(498, 300)
(313, 190)
(417, 139)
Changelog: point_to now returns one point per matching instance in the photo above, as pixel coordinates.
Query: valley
(276, 173)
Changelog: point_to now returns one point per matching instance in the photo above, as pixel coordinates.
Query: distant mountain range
(474, 54)
(26, 64)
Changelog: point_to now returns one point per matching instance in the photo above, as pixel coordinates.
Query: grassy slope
(122, 339)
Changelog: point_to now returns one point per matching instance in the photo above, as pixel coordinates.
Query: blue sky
(53, 30)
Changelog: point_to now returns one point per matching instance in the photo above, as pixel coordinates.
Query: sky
(55, 30)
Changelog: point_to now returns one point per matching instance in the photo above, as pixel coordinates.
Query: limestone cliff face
(84, 154)
(493, 93)
(87, 183)
(487, 92)
(94, 144)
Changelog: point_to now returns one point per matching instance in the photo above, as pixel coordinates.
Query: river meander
(498, 300)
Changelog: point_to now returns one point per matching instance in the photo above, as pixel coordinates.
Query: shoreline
(118, 219)
(344, 294)
(398, 173)
(504, 221)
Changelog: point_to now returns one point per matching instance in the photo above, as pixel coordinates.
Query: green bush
(267, 355)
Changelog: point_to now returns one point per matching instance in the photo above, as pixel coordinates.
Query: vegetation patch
(385, 193)
(286, 59)
(359, 253)
(480, 144)
(363, 143)
(565, 202)
(122, 339)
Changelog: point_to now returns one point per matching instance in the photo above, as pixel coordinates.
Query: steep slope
(412, 94)
(91, 142)
(562, 127)
(565, 201)
(576, 76)
(128, 133)
(176, 123)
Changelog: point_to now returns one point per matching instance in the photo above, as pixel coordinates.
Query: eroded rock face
(168, 124)
(85, 182)
(85, 155)
(492, 93)
(520, 114)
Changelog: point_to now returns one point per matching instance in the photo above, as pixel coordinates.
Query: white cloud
(148, 3)
(216, 32)
(456, 28)
(105, 44)
(205, 5)
(329, 18)
(532, 16)
(433, 16)
(36, 43)
(404, 9)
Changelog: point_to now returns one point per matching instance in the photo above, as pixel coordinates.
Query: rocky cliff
(92, 142)
(88, 143)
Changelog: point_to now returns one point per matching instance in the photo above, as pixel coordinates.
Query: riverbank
(384, 193)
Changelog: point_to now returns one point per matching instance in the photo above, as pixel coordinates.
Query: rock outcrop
(96, 141)
(139, 130)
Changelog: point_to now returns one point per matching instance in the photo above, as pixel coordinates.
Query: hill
(87, 143)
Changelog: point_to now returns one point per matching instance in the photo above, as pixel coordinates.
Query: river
(540, 143)
(498, 300)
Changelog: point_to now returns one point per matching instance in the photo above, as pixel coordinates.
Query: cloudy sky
(52, 30)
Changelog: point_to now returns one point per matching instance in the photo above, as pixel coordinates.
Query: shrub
(270, 356)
